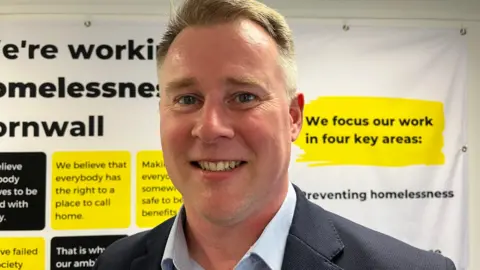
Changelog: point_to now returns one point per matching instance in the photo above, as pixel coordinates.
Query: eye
(245, 97)
(187, 100)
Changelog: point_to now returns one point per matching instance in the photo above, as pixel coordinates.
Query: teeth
(219, 166)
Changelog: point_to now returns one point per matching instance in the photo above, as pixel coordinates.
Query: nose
(213, 124)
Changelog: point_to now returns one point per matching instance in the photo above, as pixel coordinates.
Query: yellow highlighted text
(90, 190)
(157, 197)
(372, 131)
(22, 253)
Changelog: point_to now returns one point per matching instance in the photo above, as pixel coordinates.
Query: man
(229, 112)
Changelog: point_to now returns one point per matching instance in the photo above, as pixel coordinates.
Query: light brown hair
(208, 12)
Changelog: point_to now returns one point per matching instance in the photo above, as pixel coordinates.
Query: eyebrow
(179, 84)
(187, 82)
(245, 82)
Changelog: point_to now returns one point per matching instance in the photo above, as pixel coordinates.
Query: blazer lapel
(154, 248)
(313, 241)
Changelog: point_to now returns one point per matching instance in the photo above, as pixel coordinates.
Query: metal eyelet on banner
(464, 149)
(87, 23)
(346, 27)
(463, 31)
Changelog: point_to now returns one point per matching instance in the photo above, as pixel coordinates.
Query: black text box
(22, 191)
(78, 252)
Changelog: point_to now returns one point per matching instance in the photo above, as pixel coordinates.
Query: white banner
(399, 95)
(81, 162)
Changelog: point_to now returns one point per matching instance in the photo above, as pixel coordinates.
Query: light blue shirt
(266, 254)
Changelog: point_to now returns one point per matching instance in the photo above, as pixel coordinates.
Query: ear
(296, 115)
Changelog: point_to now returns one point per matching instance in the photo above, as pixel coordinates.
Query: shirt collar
(270, 246)
(274, 235)
(176, 254)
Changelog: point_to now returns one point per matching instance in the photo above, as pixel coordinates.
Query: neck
(222, 246)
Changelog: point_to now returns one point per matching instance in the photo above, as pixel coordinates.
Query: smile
(218, 166)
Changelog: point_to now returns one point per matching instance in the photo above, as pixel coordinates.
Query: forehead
(223, 49)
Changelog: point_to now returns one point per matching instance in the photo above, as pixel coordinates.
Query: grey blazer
(318, 240)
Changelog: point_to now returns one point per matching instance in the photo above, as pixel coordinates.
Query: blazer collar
(155, 247)
(312, 243)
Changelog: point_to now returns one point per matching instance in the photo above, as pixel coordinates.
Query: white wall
(450, 13)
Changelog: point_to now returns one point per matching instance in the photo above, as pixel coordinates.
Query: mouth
(218, 166)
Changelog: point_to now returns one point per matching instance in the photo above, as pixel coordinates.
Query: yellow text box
(157, 197)
(91, 190)
(372, 131)
(22, 253)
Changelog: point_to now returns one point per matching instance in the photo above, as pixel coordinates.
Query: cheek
(266, 132)
(174, 133)
(174, 138)
(255, 136)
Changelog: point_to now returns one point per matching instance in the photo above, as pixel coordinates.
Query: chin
(221, 213)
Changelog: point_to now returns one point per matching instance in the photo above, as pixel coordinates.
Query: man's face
(226, 122)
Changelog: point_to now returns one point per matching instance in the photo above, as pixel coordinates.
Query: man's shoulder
(121, 253)
(375, 250)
